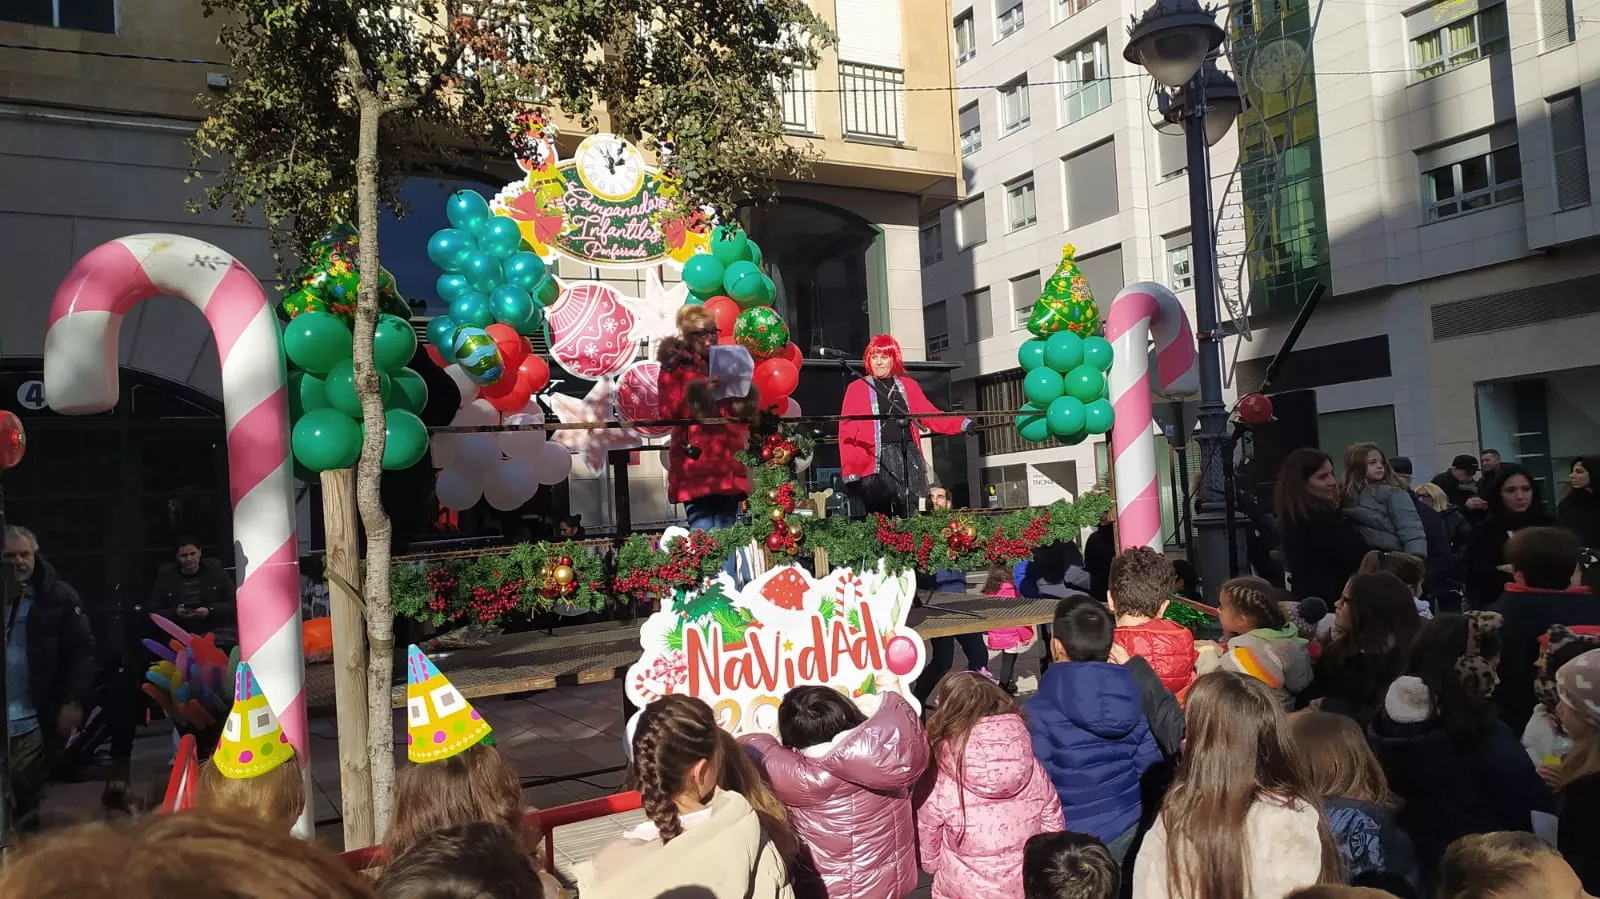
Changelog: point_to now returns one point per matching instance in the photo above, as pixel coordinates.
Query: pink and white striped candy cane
(80, 378)
(1141, 308)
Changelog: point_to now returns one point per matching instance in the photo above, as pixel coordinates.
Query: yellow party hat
(440, 722)
(253, 742)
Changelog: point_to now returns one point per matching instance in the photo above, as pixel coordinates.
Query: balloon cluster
(319, 343)
(1066, 387)
(505, 468)
(192, 680)
(729, 281)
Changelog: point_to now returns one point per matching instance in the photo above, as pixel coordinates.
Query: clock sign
(610, 167)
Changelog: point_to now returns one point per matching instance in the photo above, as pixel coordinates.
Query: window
(1007, 20)
(971, 226)
(966, 47)
(1020, 211)
(1014, 114)
(932, 236)
(1570, 151)
(1478, 35)
(1085, 78)
(1479, 176)
(1024, 294)
(1180, 264)
(980, 317)
(971, 130)
(1092, 185)
(1066, 9)
(1172, 152)
(936, 329)
(78, 15)
(1555, 23)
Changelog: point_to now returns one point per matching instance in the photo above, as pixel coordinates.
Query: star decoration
(593, 445)
(655, 315)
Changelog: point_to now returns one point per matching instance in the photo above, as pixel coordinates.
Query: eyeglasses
(700, 333)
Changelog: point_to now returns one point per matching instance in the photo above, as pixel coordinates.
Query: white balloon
(554, 464)
(524, 445)
(792, 410)
(443, 450)
(508, 484)
(477, 413)
(457, 489)
(475, 451)
(464, 384)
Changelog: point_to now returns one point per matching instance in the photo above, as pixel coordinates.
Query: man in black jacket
(195, 592)
(50, 666)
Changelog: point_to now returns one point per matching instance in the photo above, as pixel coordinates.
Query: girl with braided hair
(1456, 767)
(1262, 642)
(698, 836)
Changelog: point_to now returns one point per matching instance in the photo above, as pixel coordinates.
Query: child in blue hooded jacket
(1089, 730)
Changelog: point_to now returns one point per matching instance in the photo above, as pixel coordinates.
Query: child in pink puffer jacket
(989, 794)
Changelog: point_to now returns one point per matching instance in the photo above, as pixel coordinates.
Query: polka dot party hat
(252, 743)
(440, 723)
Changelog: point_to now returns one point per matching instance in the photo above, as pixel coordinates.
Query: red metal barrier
(547, 820)
(185, 774)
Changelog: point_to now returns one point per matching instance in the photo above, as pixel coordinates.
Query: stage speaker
(1294, 425)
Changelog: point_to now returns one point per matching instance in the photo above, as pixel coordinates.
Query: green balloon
(405, 439)
(1031, 354)
(768, 292)
(742, 281)
(408, 392)
(1041, 386)
(341, 388)
(306, 394)
(1063, 351)
(1098, 416)
(393, 343)
(316, 341)
(1073, 439)
(755, 253)
(1065, 416)
(1031, 424)
(703, 272)
(1086, 383)
(1097, 352)
(730, 244)
(692, 300)
(326, 439)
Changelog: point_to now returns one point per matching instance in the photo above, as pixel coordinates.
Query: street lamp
(1175, 40)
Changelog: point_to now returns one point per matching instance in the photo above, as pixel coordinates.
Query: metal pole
(7, 597)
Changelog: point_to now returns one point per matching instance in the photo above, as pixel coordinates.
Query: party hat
(440, 722)
(253, 742)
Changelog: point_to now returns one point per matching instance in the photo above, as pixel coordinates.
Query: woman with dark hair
(1321, 548)
(1515, 503)
(1375, 621)
(1580, 508)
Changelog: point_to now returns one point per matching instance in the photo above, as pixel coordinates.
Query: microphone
(828, 352)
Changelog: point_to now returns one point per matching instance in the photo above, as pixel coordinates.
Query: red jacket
(858, 440)
(717, 469)
(1166, 645)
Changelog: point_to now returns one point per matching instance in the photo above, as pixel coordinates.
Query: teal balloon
(405, 439)
(703, 273)
(1086, 383)
(708, 293)
(483, 272)
(449, 249)
(767, 293)
(730, 245)
(755, 253)
(467, 210)
(473, 309)
(1041, 386)
(512, 306)
(450, 286)
(692, 300)
(475, 351)
(341, 388)
(1032, 424)
(394, 342)
(742, 281)
(524, 270)
(1097, 352)
(1065, 416)
(326, 440)
(1063, 351)
(1073, 439)
(408, 391)
(1098, 416)
(499, 237)
(316, 341)
(1031, 354)
(442, 333)
(306, 394)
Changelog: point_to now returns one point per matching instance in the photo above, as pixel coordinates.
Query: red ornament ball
(901, 655)
(1254, 409)
(776, 540)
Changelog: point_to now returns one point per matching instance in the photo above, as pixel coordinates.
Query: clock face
(1278, 65)
(610, 167)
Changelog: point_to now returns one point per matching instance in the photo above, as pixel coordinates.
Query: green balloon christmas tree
(1066, 362)
(1067, 303)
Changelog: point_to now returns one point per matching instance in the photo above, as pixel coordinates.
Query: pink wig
(884, 345)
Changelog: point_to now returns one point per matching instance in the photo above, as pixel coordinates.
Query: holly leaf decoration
(854, 619)
(826, 609)
(869, 687)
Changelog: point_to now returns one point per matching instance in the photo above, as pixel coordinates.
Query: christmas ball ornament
(900, 653)
(1063, 351)
(1086, 383)
(1254, 409)
(776, 513)
(1031, 354)
(1097, 352)
(1098, 416)
(762, 331)
(589, 330)
(772, 494)
(564, 574)
(1041, 386)
(968, 531)
(475, 351)
(794, 530)
(775, 541)
(782, 455)
(638, 396)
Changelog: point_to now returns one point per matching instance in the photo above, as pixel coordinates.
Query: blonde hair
(274, 799)
(695, 317)
(1354, 480)
(1337, 760)
(1488, 865)
(474, 785)
(1435, 497)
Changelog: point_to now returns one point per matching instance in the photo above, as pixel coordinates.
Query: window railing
(971, 141)
(797, 93)
(872, 101)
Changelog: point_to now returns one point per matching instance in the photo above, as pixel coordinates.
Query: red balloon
(534, 373)
(776, 378)
(438, 359)
(1254, 409)
(510, 343)
(513, 400)
(792, 353)
(726, 312)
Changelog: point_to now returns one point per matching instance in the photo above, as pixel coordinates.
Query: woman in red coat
(885, 457)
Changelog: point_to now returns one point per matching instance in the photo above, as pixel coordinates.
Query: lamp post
(1175, 41)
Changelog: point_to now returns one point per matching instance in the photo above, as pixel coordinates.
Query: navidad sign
(740, 651)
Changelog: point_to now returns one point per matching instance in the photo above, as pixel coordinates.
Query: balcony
(798, 95)
(872, 102)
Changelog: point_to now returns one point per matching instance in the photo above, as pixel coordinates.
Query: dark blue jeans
(714, 513)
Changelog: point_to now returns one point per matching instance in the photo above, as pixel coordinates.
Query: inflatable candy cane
(80, 378)
(1140, 309)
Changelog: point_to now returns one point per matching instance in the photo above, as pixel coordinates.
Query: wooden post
(343, 569)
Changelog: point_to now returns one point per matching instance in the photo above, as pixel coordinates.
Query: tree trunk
(350, 656)
(369, 474)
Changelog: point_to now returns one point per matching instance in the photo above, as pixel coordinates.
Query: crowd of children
(1380, 757)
